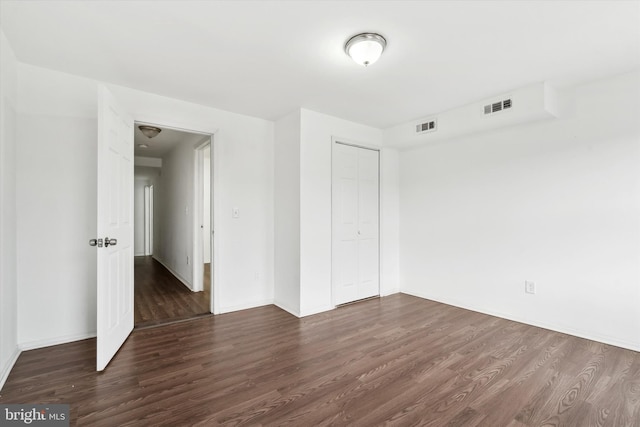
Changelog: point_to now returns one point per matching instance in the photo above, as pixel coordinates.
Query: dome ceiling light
(149, 131)
(365, 48)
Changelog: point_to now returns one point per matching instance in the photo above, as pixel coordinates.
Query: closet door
(355, 223)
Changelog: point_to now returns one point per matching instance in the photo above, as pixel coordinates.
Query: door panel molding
(114, 279)
(355, 222)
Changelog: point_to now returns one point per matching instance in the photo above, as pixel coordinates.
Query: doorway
(168, 270)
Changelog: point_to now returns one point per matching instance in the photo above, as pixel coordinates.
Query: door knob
(95, 242)
(108, 241)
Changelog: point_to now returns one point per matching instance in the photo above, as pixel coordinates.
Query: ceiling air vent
(497, 106)
(430, 126)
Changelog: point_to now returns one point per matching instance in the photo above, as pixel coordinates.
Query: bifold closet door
(355, 223)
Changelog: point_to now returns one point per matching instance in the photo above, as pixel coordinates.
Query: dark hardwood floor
(399, 360)
(161, 298)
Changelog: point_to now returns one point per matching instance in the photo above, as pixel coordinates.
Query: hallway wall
(174, 204)
(143, 176)
(8, 210)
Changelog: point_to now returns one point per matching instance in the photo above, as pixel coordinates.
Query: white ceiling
(267, 58)
(162, 143)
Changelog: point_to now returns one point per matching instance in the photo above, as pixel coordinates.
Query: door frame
(345, 141)
(214, 306)
(148, 220)
(198, 214)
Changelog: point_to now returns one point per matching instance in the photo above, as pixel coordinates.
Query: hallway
(161, 298)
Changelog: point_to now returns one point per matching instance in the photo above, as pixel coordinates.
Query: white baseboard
(286, 308)
(557, 328)
(388, 292)
(316, 310)
(6, 370)
(31, 345)
(179, 277)
(232, 308)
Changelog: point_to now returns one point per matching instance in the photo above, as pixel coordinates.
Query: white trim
(152, 210)
(556, 328)
(391, 292)
(316, 310)
(9, 366)
(214, 175)
(145, 118)
(351, 143)
(148, 220)
(32, 345)
(246, 306)
(179, 277)
(198, 217)
(286, 308)
(164, 124)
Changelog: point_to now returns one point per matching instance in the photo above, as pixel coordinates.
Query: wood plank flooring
(398, 360)
(160, 297)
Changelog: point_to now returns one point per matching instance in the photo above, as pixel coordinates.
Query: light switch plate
(529, 287)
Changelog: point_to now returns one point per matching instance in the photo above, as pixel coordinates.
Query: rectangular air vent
(497, 106)
(430, 126)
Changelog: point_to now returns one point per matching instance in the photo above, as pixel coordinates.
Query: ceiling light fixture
(143, 146)
(365, 48)
(149, 131)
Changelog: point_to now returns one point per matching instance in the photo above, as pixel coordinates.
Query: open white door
(115, 227)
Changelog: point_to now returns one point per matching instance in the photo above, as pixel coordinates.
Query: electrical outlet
(529, 287)
(236, 212)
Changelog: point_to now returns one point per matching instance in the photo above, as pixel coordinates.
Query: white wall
(8, 237)
(56, 206)
(389, 222)
(287, 213)
(174, 202)
(317, 131)
(56, 184)
(56, 163)
(555, 202)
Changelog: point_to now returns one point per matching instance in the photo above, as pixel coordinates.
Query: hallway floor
(161, 298)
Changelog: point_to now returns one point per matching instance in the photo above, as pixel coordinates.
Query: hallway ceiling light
(365, 48)
(149, 131)
(143, 146)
